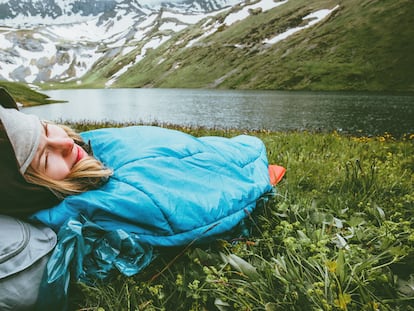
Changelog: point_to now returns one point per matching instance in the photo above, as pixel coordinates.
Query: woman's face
(57, 153)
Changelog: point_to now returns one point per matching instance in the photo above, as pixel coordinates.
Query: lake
(354, 113)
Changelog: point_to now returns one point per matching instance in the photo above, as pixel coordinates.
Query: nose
(63, 145)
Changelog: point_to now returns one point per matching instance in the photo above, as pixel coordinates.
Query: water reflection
(368, 114)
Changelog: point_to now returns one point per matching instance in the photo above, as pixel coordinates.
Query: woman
(162, 184)
(57, 159)
(152, 186)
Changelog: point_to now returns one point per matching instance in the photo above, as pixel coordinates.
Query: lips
(80, 153)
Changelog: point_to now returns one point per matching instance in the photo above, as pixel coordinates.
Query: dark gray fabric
(19, 291)
(24, 250)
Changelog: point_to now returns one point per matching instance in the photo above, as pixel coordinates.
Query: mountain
(59, 40)
(259, 44)
(20, 13)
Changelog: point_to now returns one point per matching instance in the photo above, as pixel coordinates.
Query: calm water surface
(356, 113)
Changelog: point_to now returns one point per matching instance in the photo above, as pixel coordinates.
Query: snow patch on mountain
(210, 28)
(181, 21)
(264, 5)
(313, 18)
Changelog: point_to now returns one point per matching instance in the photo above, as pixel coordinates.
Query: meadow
(337, 234)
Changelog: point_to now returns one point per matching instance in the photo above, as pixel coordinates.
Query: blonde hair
(89, 173)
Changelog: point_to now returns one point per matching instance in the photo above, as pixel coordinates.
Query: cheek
(57, 168)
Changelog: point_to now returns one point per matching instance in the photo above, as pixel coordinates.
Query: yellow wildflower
(331, 266)
(342, 301)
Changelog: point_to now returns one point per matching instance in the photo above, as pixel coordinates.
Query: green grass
(25, 95)
(338, 235)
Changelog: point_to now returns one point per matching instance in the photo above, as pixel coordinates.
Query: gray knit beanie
(24, 133)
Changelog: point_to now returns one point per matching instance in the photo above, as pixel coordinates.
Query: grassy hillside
(363, 45)
(25, 95)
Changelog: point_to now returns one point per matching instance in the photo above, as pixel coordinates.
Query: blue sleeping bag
(169, 187)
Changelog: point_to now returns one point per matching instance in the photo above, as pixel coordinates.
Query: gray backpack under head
(24, 251)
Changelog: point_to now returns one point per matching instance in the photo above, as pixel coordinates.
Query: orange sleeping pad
(276, 173)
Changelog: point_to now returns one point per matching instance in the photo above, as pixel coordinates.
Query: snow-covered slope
(66, 51)
(18, 13)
